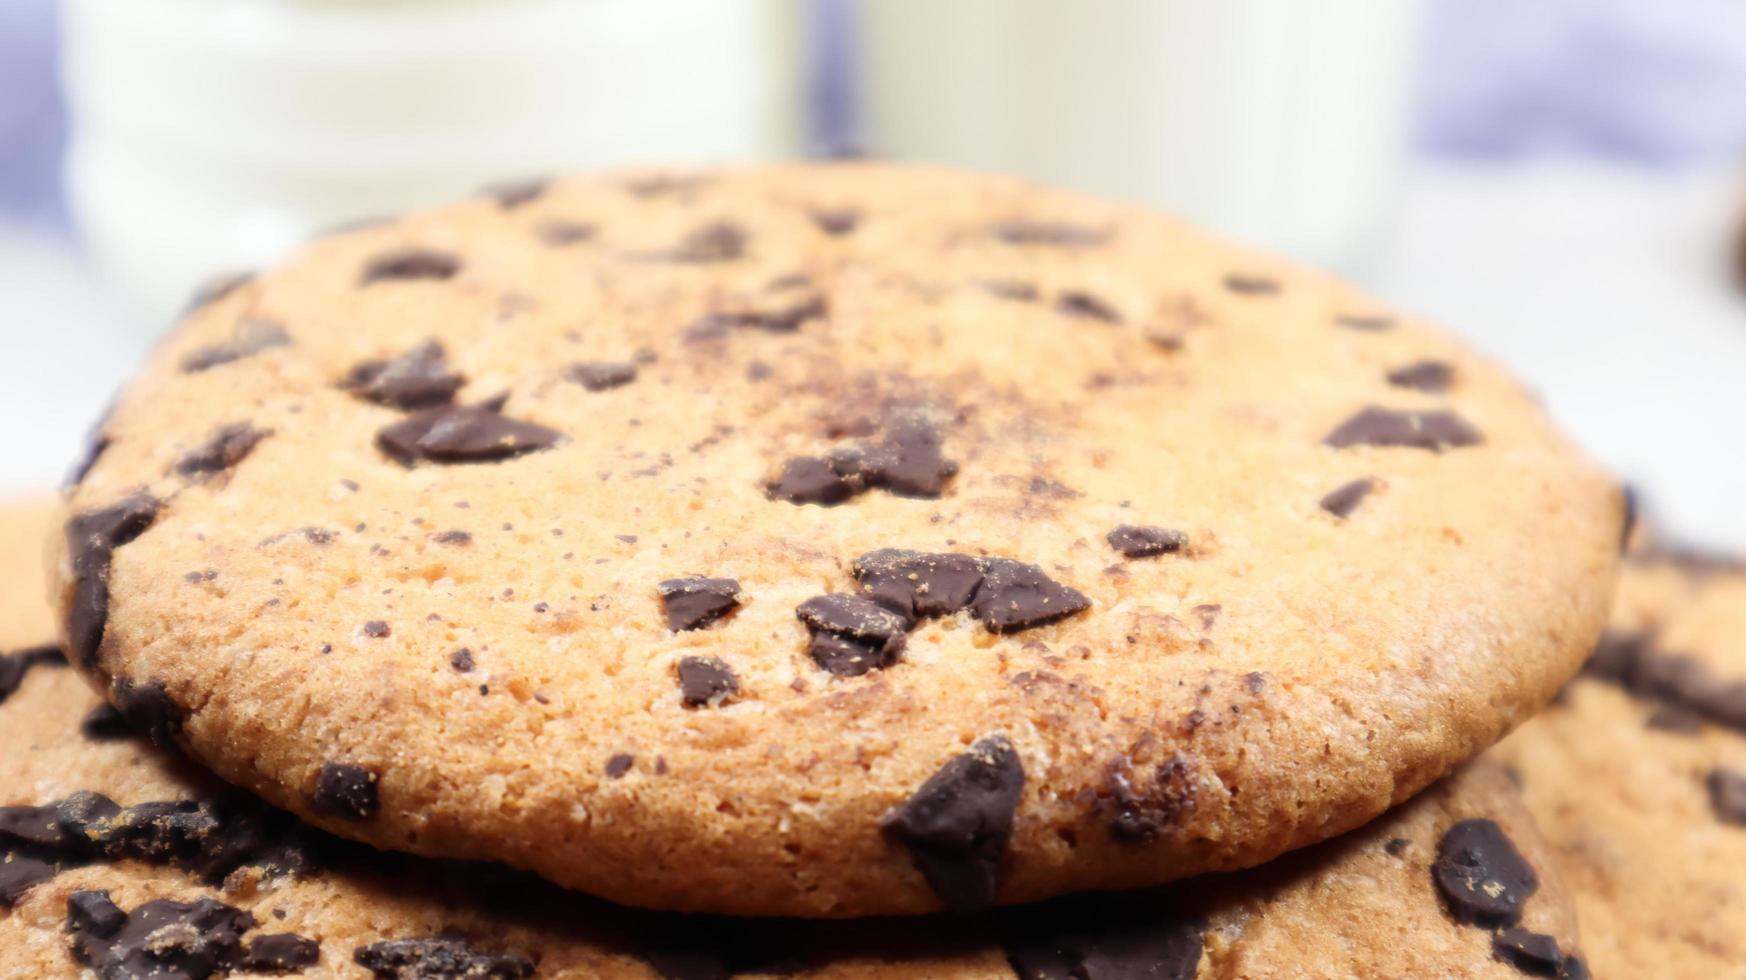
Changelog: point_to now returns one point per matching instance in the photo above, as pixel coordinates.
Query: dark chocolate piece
(226, 447)
(92, 538)
(1135, 541)
(1482, 877)
(1435, 431)
(347, 790)
(419, 378)
(693, 603)
(1015, 596)
(957, 824)
(1344, 499)
(463, 434)
(706, 681)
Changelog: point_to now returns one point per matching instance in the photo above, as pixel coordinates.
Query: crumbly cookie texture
(826, 540)
(119, 856)
(1638, 773)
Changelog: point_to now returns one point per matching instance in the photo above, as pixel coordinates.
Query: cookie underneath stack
(123, 857)
(1638, 773)
(1031, 585)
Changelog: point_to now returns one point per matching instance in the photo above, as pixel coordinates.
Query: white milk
(217, 134)
(1277, 121)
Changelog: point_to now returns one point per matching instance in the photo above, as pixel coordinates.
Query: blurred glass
(1282, 122)
(210, 135)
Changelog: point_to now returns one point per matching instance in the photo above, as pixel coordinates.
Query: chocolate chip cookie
(118, 856)
(122, 858)
(1638, 773)
(825, 540)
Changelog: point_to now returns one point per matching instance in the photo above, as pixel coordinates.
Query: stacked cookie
(961, 558)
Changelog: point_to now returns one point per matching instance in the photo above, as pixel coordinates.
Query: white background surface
(1605, 287)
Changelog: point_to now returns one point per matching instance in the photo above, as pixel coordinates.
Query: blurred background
(1562, 181)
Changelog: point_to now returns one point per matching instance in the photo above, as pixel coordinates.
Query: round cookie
(174, 842)
(826, 540)
(1637, 774)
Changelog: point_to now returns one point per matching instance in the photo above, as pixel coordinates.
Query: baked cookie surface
(1637, 775)
(826, 541)
(96, 822)
(124, 859)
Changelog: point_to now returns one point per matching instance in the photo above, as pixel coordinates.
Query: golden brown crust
(1285, 676)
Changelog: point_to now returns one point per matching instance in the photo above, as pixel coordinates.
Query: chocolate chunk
(917, 584)
(92, 538)
(693, 603)
(1344, 499)
(419, 378)
(1679, 681)
(94, 913)
(225, 448)
(601, 375)
(1015, 596)
(1728, 795)
(36, 825)
(1534, 953)
(559, 232)
(281, 952)
(909, 462)
(1016, 290)
(250, 337)
(168, 940)
(215, 289)
(1102, 937)
(148, 709)
(346, 790)
(1134, 541)
(105, 724)
(462, 660)
(512, 194)
(17, 874)
(1435, 431)
(706, 680)
(1140, 815)
(846, 656)
(1365, 324)
(956, 826)
(852, 634)
(13, 666)
(376, 629)
(1434, 377)
(1083, 304)
(439, 958)
(1483, 879)
(811, 480)
(721, 241)
(1020, 231)
(619, 764)
(410, 264)
(836, 221)
(1573, 968)
(463, 434)
(1250, 285)
(454, 537)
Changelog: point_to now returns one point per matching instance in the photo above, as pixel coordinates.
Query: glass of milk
(210, 135)
(1281, 122)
